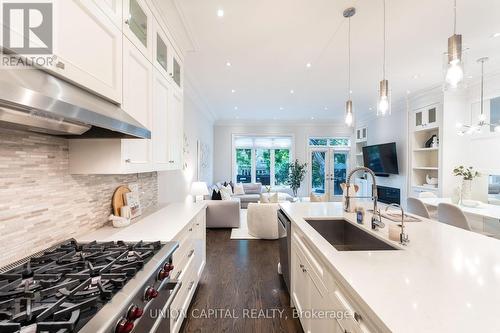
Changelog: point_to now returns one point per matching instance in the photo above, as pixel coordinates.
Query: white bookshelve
(425, 123)
(361, 141)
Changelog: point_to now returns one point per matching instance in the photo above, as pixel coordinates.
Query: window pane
(340, 172)
(244, 165)
(343, 142)
(263, 166)
(318, 172)
(318, 142)
(494, 112)
(281, 160)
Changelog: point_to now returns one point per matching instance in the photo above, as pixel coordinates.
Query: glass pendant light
(349, 112)
(384, 103)
(455, 68)
(481, 123)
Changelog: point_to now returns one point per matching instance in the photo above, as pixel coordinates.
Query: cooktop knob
(134, 312)
(124, 326)
(150, 293)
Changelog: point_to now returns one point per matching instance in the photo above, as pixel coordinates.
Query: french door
(328, 169)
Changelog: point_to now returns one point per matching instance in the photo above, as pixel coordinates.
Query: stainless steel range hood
(34, 100)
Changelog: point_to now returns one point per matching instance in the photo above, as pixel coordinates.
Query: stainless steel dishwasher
(285, 234)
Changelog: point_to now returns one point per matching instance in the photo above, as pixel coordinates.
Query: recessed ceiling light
(408, 92)
(220, 12)
(312, 118)
(236, 108)
(370, 109)
(237, 117)
(416, 76)
(308, 65)
(326, 108)
(282, 108)
(495, 35)
(292, 91)
(469, 77)
(233, 91)
(228, 64)
(350, 91)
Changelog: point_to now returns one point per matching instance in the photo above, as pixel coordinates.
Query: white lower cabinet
(189, 261)
(320, 301)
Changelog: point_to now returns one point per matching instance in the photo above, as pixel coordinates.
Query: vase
(466, 190)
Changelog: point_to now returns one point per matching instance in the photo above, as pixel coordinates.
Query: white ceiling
(269, 43)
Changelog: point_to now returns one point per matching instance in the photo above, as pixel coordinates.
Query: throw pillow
(216, 195)
(274, 198)
(226, 192)
(316, 198)
(238, 189)
(229, 189)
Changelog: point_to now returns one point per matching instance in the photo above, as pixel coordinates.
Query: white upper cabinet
(161, 50)
(113, 9)
(138, 25)
(137, 102)
(177, 73)
(88, 47)
(175, 130)
(426, 117)
(159, 135)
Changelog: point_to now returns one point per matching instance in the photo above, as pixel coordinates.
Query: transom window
(330, 142)
(261, 159)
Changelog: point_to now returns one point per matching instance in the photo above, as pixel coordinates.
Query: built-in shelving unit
(425, 154)
(361, 141)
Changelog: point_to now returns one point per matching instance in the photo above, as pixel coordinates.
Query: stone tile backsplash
(42, 204)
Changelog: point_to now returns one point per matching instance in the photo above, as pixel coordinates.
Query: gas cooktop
(61, 289)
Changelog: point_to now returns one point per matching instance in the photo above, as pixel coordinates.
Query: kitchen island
(445, 280)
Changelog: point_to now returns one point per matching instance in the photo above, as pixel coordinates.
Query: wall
(42, 204)
(391, 128)
(198, 125)
(223, 141)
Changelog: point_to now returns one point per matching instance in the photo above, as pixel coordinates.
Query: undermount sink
(345, 236)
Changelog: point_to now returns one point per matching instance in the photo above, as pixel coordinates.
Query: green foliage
(281, 165)
(297, 172)
(466, 173)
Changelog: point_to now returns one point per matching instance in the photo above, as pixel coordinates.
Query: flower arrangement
(466, 173)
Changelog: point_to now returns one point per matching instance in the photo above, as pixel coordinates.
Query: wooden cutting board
(117, 201)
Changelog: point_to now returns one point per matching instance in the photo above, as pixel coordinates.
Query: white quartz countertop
(446, 279)
(161, 225)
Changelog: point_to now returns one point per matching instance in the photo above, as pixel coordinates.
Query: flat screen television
(381, 159)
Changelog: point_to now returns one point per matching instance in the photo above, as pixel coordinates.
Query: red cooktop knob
(134, 313)
(163, 274)
(150, 293)
(168, 267)
(124, 326)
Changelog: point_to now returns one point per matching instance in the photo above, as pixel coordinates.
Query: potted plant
(467, 174)
(297, 172)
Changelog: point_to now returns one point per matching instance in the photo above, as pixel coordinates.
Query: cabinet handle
(128, 160)
(171, 75)
(190, 229)
(170, 161)
(178, 274)
(60, 65)
(190, 253)
(357, 317)
(191, 285)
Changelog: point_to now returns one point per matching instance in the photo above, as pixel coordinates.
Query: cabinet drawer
(180, 305)
(355, 321)
(321, 277)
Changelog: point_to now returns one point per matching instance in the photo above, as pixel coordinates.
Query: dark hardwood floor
(240, 290)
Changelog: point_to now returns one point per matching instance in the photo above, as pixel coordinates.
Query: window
(262, 159)
(244, 165)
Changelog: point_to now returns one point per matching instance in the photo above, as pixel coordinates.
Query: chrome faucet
(403, 237)
(347, 206)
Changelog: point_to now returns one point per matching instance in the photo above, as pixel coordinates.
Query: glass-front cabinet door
(138, 25)
(177, 71)
(426, 117)
(161, 50)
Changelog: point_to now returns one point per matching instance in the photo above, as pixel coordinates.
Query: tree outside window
(281, 167)
(244, 165)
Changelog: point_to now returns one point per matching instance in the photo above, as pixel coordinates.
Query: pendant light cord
(349, 58)
(482, 87)
(455, 17)
(383, 65)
